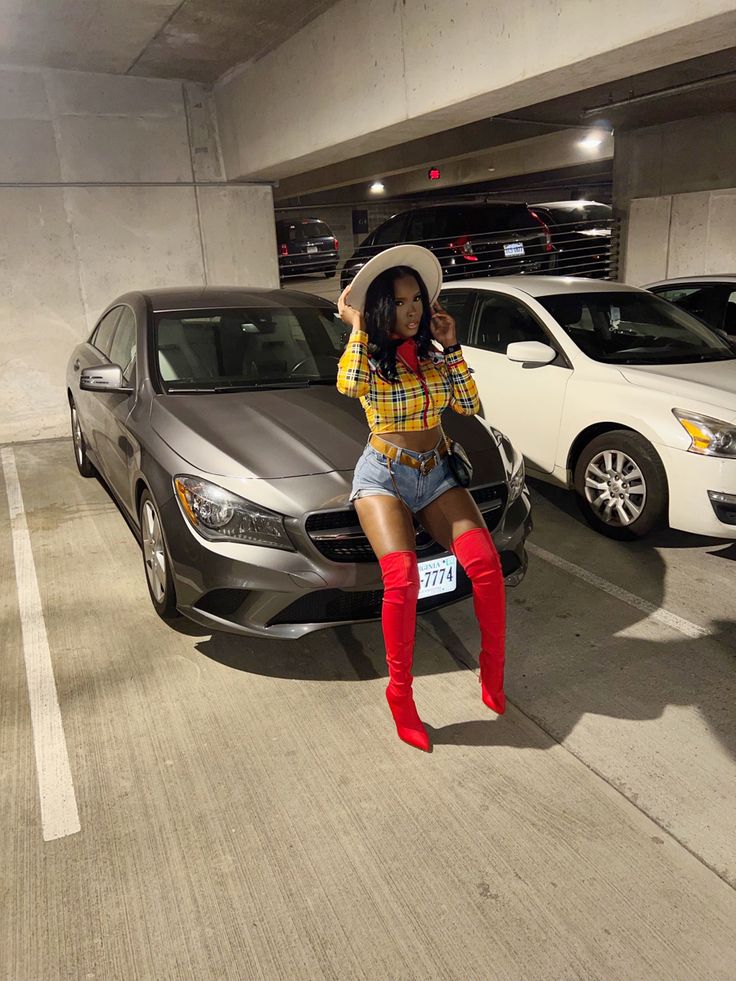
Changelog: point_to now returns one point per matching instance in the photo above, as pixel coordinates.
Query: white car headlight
(709, 437)
(218, 515)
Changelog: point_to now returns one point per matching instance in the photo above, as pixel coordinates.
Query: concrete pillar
(123, 207)
(675, 188)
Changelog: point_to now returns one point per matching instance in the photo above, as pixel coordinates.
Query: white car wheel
(621, 485)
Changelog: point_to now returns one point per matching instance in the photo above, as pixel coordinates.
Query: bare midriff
(420, 442)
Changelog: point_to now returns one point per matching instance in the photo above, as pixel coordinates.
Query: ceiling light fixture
(377, 187)
(591, 142)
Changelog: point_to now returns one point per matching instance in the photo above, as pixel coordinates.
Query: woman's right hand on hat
(349, 315)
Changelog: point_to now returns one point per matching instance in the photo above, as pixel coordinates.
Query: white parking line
(655, 612)
(59, 815)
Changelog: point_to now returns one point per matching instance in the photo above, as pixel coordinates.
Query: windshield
(242, 349)
(303, 231)
(634, 328)
(581, 212)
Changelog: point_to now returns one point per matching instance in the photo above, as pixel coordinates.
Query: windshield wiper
(248, 387)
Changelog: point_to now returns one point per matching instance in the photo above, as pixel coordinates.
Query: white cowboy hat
(416, 257)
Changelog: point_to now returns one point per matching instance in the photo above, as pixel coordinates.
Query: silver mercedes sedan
(212, 416)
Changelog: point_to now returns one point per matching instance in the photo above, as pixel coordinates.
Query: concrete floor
(246, 810)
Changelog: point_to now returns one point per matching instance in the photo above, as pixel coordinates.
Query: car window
(302, 231)
(480, 220)
(706, 301)
(502, 320)
(426, 224)
(729, 319)
(634, 328)
(459, 304)
(248, 348)
(122, 351)
(102, 337)
(391, 232)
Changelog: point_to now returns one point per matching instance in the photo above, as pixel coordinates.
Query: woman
(404, 383)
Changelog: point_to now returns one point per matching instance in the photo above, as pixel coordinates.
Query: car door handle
(76, 365)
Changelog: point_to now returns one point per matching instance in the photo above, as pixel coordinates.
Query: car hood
(713, 383)
(289, 433)
(269, 434)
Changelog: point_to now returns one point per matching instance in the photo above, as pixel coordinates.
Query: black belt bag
(457, 460)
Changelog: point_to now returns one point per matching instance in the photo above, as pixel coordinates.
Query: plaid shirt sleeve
(353, 372)
(464, 399)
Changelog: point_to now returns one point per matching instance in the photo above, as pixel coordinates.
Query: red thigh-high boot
(477, 554)
(399, 619)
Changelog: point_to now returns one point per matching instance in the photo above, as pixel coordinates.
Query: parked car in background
(468, 239)
(710, 298)
(306, 245)
(581, 235)
(214, 418)
(609, 390)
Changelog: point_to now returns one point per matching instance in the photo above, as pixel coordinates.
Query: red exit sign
(434, 173)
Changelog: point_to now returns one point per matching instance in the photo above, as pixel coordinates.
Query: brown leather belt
(397, 455)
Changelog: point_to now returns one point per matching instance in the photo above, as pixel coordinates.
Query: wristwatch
(451, 349)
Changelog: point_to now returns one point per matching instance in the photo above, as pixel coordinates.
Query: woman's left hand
(443, 326)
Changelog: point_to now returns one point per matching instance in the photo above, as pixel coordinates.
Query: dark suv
(306, 245)
(468, 239)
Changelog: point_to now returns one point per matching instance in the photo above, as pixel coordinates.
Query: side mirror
(103, 378)
(531, 352)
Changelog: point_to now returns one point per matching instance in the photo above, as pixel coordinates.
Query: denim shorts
(372, 476)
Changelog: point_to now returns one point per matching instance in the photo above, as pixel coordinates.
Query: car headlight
(517, 480)
(218, 515)
(709, 437)
(513, 461)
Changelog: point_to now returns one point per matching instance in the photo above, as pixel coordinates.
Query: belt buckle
(426, 466)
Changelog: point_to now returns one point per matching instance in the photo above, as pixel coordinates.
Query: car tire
(156, 565)
(84, 465)
(329, 273)
(621, 508)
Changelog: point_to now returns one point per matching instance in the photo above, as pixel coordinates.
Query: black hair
(380, 320)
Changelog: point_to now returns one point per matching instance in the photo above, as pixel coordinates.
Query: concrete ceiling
(199, 40)
(697, 87)
(700, 86)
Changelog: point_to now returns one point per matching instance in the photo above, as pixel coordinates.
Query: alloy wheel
(153, 552)
(615, 488)
(77, 437)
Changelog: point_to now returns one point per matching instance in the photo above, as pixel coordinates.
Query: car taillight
(337, 244)
(284, 248)
(548, 247)
(464, 246)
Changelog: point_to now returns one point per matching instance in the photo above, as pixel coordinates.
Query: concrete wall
(120, 159)
(368, 74)
(681, 235)
(675, 189)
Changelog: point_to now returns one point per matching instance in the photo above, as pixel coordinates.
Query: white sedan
(609, 390)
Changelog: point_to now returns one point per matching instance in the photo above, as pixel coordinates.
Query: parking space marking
(59, 815)
(655, 612)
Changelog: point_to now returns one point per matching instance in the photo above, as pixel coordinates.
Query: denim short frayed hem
(372, 477)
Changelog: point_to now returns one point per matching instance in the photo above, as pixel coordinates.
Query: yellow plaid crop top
(413, 402)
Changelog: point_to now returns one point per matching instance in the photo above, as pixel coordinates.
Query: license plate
(513, 248)
(311, 248)
(437, 576)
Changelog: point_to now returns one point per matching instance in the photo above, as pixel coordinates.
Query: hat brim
(416, 257)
